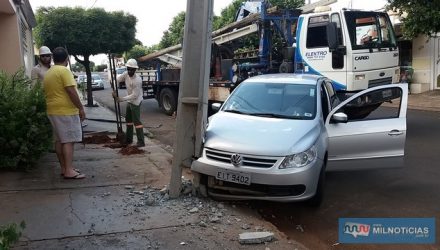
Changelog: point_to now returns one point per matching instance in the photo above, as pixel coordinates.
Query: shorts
(66, 128)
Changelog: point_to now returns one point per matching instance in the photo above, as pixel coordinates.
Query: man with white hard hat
(39, 71)
(134, 99)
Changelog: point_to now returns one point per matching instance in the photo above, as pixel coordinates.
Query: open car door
(368, 130)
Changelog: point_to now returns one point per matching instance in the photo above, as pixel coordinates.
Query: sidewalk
(429, 101)
(120, 205)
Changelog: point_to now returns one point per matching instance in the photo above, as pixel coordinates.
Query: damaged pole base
(198, 188)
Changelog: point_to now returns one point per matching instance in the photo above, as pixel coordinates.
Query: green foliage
(287, 4)
(136, 52)
(85, 32)
(25, 131)
(174, 34)
(227, 15)
(78, 67)
(422, 16)
(100, 68)
(10, 234)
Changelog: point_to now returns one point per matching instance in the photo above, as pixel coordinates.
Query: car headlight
(299, 160)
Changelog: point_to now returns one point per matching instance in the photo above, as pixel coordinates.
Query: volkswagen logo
(236, 160)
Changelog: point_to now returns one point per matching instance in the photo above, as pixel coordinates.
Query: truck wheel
(168, 101)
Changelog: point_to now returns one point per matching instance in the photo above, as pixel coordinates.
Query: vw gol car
(276, 135)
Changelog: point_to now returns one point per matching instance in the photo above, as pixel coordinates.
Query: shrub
(25, 131)
(10, 234)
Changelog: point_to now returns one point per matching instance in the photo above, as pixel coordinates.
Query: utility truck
(355, 49)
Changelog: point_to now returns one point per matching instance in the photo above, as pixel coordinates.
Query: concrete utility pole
(193, 91)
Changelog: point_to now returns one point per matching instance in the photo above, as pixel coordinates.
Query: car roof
(307, 79)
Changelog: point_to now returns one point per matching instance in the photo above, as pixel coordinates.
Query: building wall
(10, 51)
(423, 52)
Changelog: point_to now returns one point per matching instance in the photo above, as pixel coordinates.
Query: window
(378, 104)
(317, 32)
(369, 30)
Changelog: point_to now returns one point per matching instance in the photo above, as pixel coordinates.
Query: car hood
(260, 135)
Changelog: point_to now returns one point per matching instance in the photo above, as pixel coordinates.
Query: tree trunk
(89, 81)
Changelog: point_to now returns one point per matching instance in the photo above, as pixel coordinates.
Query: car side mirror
(339, 117)
(332, 36)
(216, 106)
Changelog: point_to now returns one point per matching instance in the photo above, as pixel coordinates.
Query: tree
(77, 67)
(101, 67)
(85, 33)
(136, 52)
(174, 34)
(229, 13)
(420, 17)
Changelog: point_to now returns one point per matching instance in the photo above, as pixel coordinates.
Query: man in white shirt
(39, 71)
(134, 98)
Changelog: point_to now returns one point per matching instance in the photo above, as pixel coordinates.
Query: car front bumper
(261, 178)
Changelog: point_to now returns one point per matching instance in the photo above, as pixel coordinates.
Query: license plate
(240, 178)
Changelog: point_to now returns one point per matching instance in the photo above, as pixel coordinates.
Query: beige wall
(422, 60)
(10, 50)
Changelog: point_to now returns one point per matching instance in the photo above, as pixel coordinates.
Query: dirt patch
(98, 139)
(131, 150)
(114, 145)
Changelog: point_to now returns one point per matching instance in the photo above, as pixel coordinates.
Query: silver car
(276, 135)
(97, 82)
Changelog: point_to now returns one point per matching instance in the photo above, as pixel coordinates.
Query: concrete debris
(202, 224)
(194, 210)
(214, 219)
(255, 237)
(221, 206)
(182, 243)
(105, 194)
(149, 200)
(300, 228)
(129, 187)
(138, 192)
(245, 226)
(164, 190)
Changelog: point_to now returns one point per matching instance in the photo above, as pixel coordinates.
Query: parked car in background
(276, 136)
(97, 81)
(81, 79)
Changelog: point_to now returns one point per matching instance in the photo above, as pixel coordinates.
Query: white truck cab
(355, 49)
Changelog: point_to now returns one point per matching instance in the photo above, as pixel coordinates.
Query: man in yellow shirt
(65, 111)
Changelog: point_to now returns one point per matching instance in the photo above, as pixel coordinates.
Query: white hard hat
(131, 63)
(45, 51)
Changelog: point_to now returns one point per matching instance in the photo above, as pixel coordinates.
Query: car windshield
(96, 77)
(292, 101)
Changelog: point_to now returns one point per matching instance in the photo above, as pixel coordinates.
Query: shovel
(120, 135)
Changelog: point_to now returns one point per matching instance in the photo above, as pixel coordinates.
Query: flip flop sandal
(75, 177)
(75, 169)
